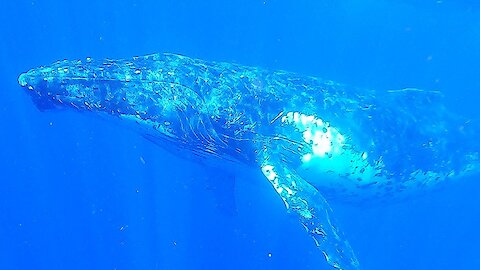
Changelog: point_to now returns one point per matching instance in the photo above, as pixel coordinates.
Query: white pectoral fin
(309, 206)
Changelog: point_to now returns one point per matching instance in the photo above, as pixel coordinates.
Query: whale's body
(312, 138)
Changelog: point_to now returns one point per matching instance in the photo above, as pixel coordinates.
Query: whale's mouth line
(43, 100)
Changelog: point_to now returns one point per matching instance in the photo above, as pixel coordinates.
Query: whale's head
(94, 86)
(146, 91)
(39, 84)
(72, 84)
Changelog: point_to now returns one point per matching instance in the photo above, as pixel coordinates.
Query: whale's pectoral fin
(309, 206)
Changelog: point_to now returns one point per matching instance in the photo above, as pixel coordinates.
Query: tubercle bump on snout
(22, 79)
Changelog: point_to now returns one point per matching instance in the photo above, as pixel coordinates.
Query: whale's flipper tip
(312, 210)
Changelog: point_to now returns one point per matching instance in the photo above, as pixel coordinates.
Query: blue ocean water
(81, 193)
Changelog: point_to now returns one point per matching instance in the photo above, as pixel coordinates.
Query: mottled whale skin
(313, 139)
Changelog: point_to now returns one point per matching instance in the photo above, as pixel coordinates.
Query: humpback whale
(313, 139)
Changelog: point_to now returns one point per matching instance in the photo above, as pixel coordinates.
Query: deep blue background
(80, 193)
